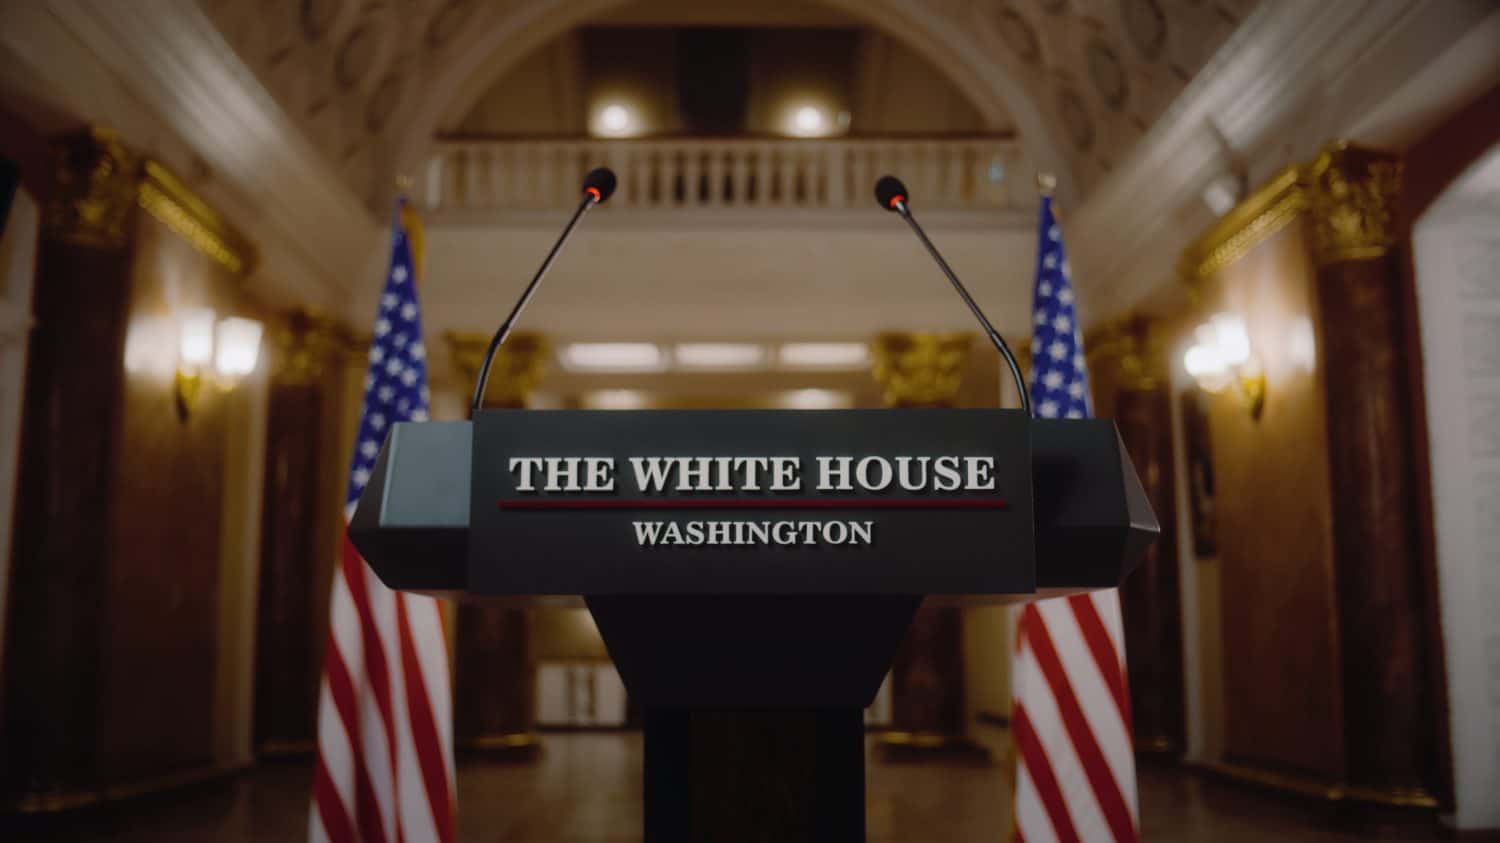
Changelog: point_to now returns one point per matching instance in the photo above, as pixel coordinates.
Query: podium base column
(783, 775)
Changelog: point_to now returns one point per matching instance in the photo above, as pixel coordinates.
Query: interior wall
(541, 95)
(167, 486)
(17, 268)
(1282, 705)
(129, 661)
(899, 92)
(244, 477)
(1457, 250)
(1202, 621)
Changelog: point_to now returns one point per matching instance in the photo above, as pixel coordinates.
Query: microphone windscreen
(889, 190)
(601, 182)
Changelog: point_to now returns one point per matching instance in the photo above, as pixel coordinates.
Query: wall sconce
(231, 346)
(1223, 357)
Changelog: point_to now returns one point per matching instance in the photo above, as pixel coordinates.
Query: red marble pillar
(928, 706)
(494, 691)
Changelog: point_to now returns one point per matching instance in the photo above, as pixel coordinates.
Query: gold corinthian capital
(1352, 195)
(514, 374)
(916, 369)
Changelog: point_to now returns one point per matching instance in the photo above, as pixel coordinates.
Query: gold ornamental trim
(99, 183)
(917, 369)
(1132, 348)
(516, 371)
(308, 345)
(95, 179)
(71, 798)
(1256, 219)
(1400, 797)
(1353, 196)
(1348, 192)
(167, 199)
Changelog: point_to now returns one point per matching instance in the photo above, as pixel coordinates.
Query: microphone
(598, 186)
(892, 196)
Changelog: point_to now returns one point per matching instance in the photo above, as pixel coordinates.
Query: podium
(752, 572)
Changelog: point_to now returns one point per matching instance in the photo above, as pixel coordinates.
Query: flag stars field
(385, 729)
(1071, 719)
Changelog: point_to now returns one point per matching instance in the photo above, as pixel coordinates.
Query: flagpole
(1046, 185)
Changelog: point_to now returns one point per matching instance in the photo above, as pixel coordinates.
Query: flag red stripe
(424, 730)
(366, 805)
(331, 811)
(377, 671)
(1103, 649)
(1095, 767)
(341, 688)
(1034, 758)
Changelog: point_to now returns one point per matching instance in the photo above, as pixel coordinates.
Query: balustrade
(978, 174)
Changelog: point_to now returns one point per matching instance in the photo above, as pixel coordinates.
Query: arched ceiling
(370, 82)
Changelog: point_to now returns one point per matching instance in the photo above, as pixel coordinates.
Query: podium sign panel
(858, 502)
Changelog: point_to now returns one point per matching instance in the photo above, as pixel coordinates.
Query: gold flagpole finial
(403, 183)
(1046, 183)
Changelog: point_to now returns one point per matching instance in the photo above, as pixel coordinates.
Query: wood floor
(586, 789)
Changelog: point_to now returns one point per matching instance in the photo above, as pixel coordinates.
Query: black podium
(752, 572)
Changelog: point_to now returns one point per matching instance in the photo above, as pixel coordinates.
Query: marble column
(1390, 717)
(300, 523)
(1128, 369)
(928, 718)
(59, 564)
(494, 692)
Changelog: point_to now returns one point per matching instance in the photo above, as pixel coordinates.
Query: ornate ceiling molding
(1261, 104)
(167, 199)
(1074, 76)
(173, 88)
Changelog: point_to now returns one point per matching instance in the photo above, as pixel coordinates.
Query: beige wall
(899, 92)
(239, 573)
(1277, 608)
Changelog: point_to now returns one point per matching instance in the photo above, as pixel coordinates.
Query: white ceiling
(619, 280)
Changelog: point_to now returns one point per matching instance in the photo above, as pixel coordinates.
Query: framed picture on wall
(1200, 473)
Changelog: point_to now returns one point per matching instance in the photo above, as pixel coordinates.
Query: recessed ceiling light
(613, 357)
(615, 399)
(1222, 194)
(809, 121)
(815, 399)
(719, 355)
(615, 120)
(824, 355)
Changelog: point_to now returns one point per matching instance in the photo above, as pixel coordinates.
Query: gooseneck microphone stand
(891, 194)
(598, 185)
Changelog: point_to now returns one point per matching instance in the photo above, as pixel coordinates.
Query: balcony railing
(968, 174)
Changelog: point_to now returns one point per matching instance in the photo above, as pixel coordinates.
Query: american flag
(385, 725)
(1075, 772)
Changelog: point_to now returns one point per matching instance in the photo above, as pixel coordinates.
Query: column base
(900, 747)
(518, 747)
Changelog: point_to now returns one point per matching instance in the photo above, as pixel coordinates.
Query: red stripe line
(377, 672)
(1034, 759)
(331, 811)
(424, 729)
(1103, 648)
(367, 806)
(1095, 767)
(762, 503)
(341, 689)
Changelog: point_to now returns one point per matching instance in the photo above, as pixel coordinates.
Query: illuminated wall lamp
(227, 348)
(1222, 357)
